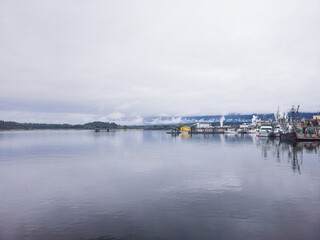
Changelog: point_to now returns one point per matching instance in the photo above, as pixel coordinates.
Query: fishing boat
(288, 132)
(302, 130)
(289, 136)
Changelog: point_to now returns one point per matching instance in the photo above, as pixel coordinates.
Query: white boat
(246, 128)
(265, 131)
(243, 128)
(230, 131)
(252, 131)
(276, 131)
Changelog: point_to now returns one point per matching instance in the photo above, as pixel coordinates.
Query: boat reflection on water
(298, 149)
(271, 148)
(223, 139)
(291, 151)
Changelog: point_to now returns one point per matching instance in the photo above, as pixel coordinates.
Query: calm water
(150, 185)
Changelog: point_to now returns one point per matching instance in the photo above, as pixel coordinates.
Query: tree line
(9, 125)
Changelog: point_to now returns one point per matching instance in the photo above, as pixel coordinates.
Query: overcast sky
(77, 61)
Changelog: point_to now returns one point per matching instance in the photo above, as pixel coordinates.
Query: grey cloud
(140, 58)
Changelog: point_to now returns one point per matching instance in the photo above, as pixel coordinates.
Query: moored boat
(246, 128)
(251, 131)
(289, 136)
(230, 131)
(276, 131)
(265, 131)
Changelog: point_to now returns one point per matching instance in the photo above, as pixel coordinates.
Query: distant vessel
(288, 132)
(276, 131)
(251, 131)
(265, 131)
(173, 131)
(289, 136)
(230, 131)
(243, 128)
(303, 130)
(246, 128)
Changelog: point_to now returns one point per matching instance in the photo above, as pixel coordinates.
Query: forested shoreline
(10, 125)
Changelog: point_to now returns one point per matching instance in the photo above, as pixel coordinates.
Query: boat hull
(276, 134)
(230, 132)
(288, 136)
(264, 134)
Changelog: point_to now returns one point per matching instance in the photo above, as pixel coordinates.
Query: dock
(194, 132)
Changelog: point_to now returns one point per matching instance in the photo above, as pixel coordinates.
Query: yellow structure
(316, 117)
(185, 129)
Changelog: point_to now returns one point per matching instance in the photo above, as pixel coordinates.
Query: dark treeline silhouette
(8, 125)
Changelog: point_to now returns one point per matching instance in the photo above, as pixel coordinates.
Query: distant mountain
(228, 118)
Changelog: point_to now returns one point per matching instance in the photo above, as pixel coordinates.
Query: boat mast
(277, 116)
(294, 112)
